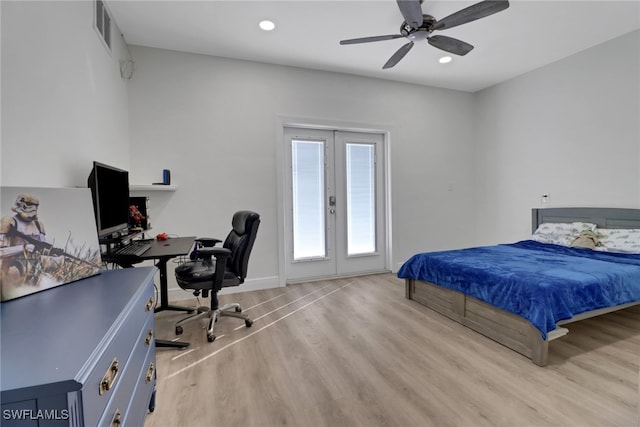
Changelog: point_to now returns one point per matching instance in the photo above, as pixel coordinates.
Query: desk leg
(164, 290)
(164, 305)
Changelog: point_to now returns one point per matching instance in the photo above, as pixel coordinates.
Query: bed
(524, 294)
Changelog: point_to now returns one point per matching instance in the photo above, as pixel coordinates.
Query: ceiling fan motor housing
(420, 33)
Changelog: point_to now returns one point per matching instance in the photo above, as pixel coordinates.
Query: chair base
(229, 310)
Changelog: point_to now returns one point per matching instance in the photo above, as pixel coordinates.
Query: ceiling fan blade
(371, 39)
(471, 13)
(451, 45)
(400, 53)
(411, 12)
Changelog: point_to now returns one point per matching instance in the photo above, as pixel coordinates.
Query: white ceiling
(527, 35)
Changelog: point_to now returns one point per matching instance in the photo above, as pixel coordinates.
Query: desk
(162, 251)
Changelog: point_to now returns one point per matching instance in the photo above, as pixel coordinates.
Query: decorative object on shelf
(166, 178)
(139, 214)
(135, 218)
(47, 238)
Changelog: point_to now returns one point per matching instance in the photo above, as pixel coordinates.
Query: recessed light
(445, 59)
(267, 25)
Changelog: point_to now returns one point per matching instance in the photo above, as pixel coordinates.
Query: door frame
(331, 125)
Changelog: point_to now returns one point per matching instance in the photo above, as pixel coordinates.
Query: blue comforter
(541, 282)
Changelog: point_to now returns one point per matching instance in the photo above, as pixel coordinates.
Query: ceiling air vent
(103, 23)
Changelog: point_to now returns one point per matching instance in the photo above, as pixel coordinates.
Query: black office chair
(212, 268)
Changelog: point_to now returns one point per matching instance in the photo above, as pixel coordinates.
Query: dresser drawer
(141, 365)
(113, 366)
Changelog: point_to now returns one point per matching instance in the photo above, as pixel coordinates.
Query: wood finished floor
(356, 352)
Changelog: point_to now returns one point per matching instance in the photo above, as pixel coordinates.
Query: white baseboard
(179, 294)
(339, 276)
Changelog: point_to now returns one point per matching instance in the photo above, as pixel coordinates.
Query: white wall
(64, 103)
(454, 156)
(570, 129)
(212, 121)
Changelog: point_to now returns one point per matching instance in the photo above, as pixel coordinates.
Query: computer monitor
(110, 191)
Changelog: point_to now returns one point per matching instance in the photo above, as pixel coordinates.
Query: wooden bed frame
(508, 329)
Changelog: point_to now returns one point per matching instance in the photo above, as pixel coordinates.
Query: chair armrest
(218, 253)
(201, 243)
(221, 255)
(207, 242)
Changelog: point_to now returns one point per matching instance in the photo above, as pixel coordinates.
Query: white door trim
(326, 124)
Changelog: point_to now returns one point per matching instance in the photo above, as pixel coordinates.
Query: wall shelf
(152, 188)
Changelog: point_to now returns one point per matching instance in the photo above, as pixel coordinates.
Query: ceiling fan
(418, 26)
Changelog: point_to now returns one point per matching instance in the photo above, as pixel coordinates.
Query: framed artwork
(48, 238)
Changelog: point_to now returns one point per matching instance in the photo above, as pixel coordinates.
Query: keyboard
(133, 249)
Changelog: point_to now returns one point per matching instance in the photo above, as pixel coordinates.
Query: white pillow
(619, 240)
(560, 233)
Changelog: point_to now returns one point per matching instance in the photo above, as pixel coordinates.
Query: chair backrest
(240, 241)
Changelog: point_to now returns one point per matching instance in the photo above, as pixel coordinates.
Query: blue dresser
(81, 354)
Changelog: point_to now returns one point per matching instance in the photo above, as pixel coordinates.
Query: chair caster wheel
(178, 330)
(248, 323)
(211, 337)
(238, 309)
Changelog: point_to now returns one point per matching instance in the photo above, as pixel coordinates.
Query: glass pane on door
(308, 191)
(361, 198)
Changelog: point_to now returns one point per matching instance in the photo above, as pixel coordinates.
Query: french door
(334, 203)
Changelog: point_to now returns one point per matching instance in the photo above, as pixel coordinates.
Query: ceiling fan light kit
(418, 27)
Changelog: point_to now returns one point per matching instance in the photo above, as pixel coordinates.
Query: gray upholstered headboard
(603, 217)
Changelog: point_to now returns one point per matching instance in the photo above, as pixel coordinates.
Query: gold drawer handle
(110, 377)
(149, 304)
(149, 377)
(149, 337)
(117, 419)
